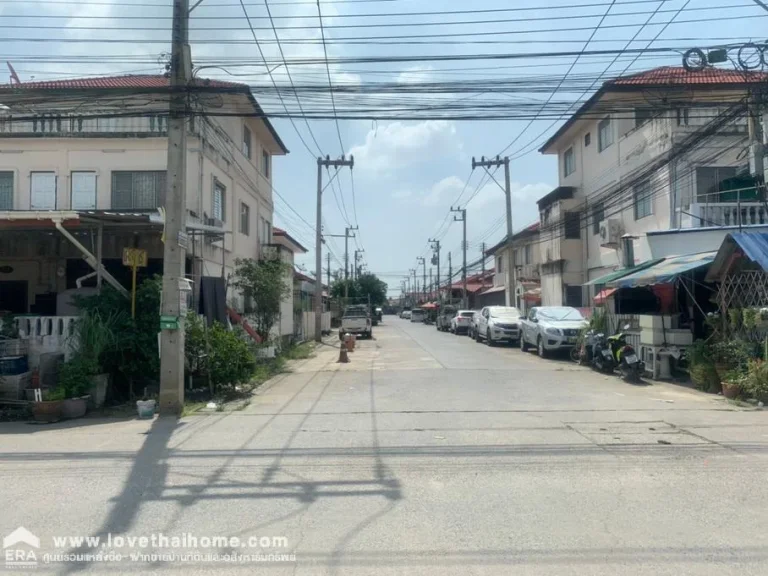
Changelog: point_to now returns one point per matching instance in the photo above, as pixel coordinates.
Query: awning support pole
(693, 298)
(99, 244)
(91, 259)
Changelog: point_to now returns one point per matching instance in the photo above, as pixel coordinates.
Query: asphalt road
(427, 454)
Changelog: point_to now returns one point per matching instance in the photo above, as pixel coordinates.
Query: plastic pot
(74, 407)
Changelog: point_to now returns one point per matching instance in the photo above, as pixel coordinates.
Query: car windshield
(466, 313)
(560, 313)
(355, 313)
(505, 312)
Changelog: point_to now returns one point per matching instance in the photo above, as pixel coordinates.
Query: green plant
(94, 334)
(230, 361)
(54, 394)
(750, 318)
(756, 384)
(700, 353)
(705, 378)
(8, 327)
(265, 284)
(75, 376)
(734, 319)
(732, 353)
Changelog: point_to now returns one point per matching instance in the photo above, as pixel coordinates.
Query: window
(643, 115)
(138, 190)
(682, 116)
(265, 163)
(604, 134)
(43, 190)
(500, 265)
(528, 254)
(219, 201)
(569, 162)
(598, 215)
(83, 190)
(245, 219)
(265, 232)
(572, 226)
(6, 190)
(247, 142)
(711, 180)
(573, 296)
(587, 139)
(642, 197)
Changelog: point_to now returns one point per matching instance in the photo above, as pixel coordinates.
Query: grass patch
(300, 352)
(192, 407)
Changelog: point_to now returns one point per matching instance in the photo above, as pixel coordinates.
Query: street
(427, 454)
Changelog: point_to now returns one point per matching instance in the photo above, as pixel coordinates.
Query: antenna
(14, 76)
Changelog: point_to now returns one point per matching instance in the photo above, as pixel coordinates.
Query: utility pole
(430, 282)
(450, 278)
(174, 250)
(511, 280)
(482, 258)
(415, 284)
(328, 271)
(408, 288)
(321, 163)
(463, 219)
(347, 236)
(436, 260)
(756, 149)
(357, 268)
(423, 262)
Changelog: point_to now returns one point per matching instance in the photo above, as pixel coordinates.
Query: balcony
(67, 125)
(727, 214)
(527, 272)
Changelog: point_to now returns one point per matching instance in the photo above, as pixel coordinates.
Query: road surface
(427, 454)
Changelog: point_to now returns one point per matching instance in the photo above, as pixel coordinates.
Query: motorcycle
(613, 353)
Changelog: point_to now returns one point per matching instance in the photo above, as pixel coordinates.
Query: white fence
(46, 334)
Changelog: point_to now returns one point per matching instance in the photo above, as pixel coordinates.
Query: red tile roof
(280, 232)
(112, 82)
(675, 75)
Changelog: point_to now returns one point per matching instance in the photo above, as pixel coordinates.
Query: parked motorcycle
(613, 353)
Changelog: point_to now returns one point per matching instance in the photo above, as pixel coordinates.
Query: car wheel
(488, 339)
(523, 344)
(477, 336)
(540, 348)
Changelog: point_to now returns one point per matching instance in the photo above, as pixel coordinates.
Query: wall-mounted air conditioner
(610, 232)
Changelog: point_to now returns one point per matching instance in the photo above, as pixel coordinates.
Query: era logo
(18, 557)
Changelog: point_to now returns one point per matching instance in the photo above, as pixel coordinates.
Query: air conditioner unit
(610, 232)
(213, 238)
(214, 222)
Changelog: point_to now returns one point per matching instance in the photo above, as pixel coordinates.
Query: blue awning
(754, 245)
(665, 272)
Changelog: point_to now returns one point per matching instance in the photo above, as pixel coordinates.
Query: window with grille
(643, 115)
(711, 180)
(43, 190)
(83, 190)
(573, 296)
(6, 190)
(683, 116)
(587, 139)
(265, 163)
(138, 190)
(247, 142)
(604, 134)
(572, 227)
(245, 219)
(528, 254)
(219, 201)
(598, 215)
(569, 162)
(643, 200)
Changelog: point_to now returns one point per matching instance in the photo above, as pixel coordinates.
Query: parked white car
(498, 324)
(405, 314)
(418, 315)
(460, 322)
(551, 328)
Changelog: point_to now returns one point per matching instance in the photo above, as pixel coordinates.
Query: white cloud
(490, 200)
(401, 194)
(443, 191)
(399, 144)
(415, 75)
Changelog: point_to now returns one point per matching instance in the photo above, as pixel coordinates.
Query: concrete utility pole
(357, 268)
(436, 260)
(321, 163)
(408, 288)
(423, 262)
(482, 259)
(463, 219)
(174, 250)
(430, 282)
(328, 270)
(415, 284)
(347, 236)
(450, 278)
(511, 279)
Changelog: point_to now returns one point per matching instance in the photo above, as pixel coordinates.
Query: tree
(361, 288)
(265, 284)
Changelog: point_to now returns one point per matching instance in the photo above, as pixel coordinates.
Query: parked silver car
(473, 324)
(460, 322)
(498, 324)
(551, 328)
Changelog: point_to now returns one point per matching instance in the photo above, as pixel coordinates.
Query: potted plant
(75, 378)
(49, 408)
(733, 383)
(94, 334)
(702, 369)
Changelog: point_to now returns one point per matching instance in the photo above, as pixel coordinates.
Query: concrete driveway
(427, 454)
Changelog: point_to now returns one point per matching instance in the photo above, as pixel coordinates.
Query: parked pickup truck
(356, 320)
(551, 328)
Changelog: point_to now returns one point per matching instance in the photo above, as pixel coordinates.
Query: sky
(408, 173)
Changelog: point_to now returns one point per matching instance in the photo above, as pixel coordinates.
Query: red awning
(430, 306)
(603, 295)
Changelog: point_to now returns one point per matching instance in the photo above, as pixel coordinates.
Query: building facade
(83, 176)
(664, 149)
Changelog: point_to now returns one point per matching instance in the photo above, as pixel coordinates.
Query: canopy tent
(532, 295)
(429, 306)
(754, 245)
(615, 275)
(604, 294)
(664, 272)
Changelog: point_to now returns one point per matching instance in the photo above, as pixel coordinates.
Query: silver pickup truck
(551, 328)
(356, 320)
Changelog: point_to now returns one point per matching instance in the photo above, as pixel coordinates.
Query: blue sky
(407, 173)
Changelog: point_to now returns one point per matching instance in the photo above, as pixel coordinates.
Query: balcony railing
(71, 125)
(741, 209)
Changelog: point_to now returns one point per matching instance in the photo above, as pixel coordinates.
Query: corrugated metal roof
(753, 244)
(665, 272)
(615, 275)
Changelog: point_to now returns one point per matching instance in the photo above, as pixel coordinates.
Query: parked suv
(460, 322)
(444, 317)
(472, 330)
(551, 328)
(498, 324)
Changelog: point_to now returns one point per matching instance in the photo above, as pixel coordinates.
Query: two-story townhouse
(659, 150)
(527, 278)
(83, 176)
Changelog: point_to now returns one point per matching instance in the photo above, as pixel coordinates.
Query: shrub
(75, 376)
(54, 394)
(756, 384)
(705, 378)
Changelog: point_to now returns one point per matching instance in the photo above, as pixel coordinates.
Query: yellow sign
(134, 257)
